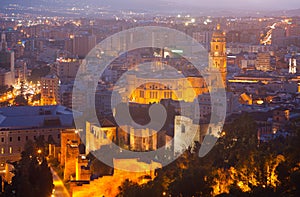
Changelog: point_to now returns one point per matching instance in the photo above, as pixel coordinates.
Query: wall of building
(12, 142)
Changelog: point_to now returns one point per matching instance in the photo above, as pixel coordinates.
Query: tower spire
(3, 41)
(217, 56)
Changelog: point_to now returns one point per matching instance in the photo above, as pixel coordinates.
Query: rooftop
(26, 117)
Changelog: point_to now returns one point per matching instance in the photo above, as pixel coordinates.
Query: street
(60, 189)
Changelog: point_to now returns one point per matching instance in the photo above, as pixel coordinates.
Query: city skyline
(160, 98)
(168, 5)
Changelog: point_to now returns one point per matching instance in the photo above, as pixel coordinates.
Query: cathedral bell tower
(217, 55)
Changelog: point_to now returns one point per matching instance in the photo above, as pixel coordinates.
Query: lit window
(2, 151)
(142, 94)
(10, 150)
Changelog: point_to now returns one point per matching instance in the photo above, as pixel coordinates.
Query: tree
(193, 182)
(3, 89)
(36, 97)
(32, 175)
(129, 189)
(236, 166)
(20, 100)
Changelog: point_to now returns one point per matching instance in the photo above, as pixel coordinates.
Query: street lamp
(39, 158)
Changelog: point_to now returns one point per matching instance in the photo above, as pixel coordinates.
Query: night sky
(167, 4)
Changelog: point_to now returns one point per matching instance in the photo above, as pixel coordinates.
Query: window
(217, 47)
(10, 150)
(2, 139)
(50, 138)
(58, 136)
(10, 139)
(182, 128)
(19, 138)
(2, 151)
(142, 94)
(26, 138)
(168, 95)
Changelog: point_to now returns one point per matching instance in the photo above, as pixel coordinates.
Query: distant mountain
(294, 12)
(152, 6)
(30, 3)
(112, 4)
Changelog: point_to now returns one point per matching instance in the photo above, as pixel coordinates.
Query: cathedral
(186, 88)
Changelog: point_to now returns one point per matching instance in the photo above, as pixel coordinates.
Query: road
(60, 189)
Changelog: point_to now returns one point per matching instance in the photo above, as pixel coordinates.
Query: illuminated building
(65, 95)
(263, 62)
(146, 142)
(66, 69)
(21, 71)
(70, 157)
(6, 78)
(109, 185)
(203, 37)
(7, 63)
(67, 136)
(163, 86)
(184, 128)
(50, 90)
(3, 42)
(19, 49)
(217, 56)
(23, 123)
(104, 100)
(97, 136)
(292, 65)
(246, 99)
(124, 135)
(80, 44)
